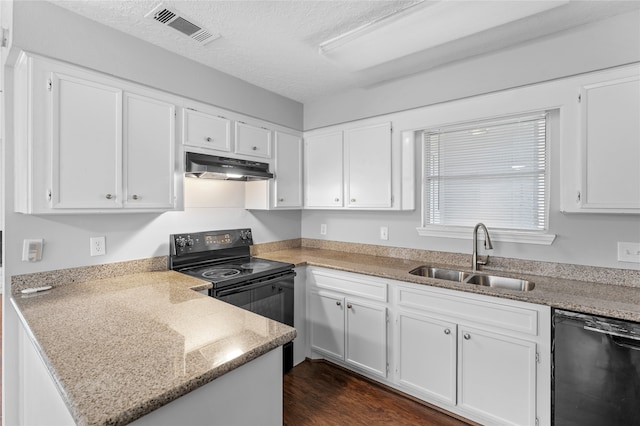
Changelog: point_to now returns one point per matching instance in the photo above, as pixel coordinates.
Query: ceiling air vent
(178, 21)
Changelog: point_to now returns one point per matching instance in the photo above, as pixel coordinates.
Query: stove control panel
(208, 241)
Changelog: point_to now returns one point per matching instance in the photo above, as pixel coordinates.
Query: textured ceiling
(274, 44)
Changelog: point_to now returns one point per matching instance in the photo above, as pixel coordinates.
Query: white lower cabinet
(497, 376)
(326, 319)
(477, 356)
(347, 327)
(351, 331)
(484, 358)
(427, 356)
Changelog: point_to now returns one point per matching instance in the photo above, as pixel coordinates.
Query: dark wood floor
(319, 393)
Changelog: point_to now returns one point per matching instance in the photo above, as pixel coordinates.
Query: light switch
(32, 250)
(629, 252)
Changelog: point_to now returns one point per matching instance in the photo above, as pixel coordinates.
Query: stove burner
(255, 266)
(220, 273)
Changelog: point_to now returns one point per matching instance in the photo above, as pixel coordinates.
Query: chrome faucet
(487, 245)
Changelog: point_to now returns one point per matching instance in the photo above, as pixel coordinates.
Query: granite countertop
(122, 347)
(618, 301)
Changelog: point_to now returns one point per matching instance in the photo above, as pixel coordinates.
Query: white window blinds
(492, 172)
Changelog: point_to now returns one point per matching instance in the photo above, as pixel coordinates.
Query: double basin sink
(495, 281)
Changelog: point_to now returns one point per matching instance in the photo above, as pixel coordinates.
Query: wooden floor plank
(320, 393)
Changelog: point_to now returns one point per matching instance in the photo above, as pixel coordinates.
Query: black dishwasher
(596, 370)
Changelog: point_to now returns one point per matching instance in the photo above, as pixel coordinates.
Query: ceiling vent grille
(174, 19)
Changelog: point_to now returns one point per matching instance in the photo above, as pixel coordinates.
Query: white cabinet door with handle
(497, 376)
(366, 335)
(149, 136)
(427, 356)
(326, 323)
(323, 171)
(253, 140)
(86, 143)
(206, 130)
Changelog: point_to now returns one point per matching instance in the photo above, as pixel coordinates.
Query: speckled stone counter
(123, 346)
(552, 289)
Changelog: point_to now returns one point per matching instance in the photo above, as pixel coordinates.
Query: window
(493, 172)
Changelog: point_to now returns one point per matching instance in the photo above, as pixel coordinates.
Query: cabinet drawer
(351, 284)
(464, 308)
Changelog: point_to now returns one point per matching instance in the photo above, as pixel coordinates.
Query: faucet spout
(487, 245)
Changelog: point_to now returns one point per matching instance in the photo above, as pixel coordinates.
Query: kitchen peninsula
(119, 348)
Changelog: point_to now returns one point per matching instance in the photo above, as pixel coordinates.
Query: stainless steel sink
(501, 282)
(495, 281)
(440, 273)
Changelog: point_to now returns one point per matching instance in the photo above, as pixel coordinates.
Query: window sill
(466, 233)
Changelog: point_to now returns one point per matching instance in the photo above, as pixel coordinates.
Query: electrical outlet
(629, 252)
(384, 233)
(98, 246)
(323, 229)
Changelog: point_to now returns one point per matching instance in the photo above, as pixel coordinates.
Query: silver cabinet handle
(339, 303)
(337, 200)
(208, 139)
(353, 200)
(255, 148)
(447, 331)
(109, 196)
(135, 197)
(281, 199)
(467, 336)
(349, 306)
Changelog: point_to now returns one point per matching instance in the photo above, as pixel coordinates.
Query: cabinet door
(288, 170)
(366, 335)
(610, 147)
(367, 160)
(149, 143)
(253, 140)
(497, 376)
(86, 144)
(326, 315)
(323, 170)
(206, 130)
(427, 356)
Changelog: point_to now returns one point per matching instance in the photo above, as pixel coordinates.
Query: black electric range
(223, 258)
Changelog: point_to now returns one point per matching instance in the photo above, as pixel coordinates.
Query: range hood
(214, 167)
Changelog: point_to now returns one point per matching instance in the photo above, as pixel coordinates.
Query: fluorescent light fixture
(423, 26)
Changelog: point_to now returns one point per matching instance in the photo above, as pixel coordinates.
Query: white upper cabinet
(86, 138)
(323, 171)
(89, 143)
(358, 167)
(253, 140)
(284, 191)
(206, 129)
(149, 157)
(367, 166)
(610, 144)
(288, 171)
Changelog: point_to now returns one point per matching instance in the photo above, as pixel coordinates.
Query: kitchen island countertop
(617, 301)
(121, 347)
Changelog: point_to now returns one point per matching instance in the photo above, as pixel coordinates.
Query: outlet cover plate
(629, 252)
(98, 246)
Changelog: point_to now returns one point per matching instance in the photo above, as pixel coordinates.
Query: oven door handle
(243, 288)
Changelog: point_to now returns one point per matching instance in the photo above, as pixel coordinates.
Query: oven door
(271, 297)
